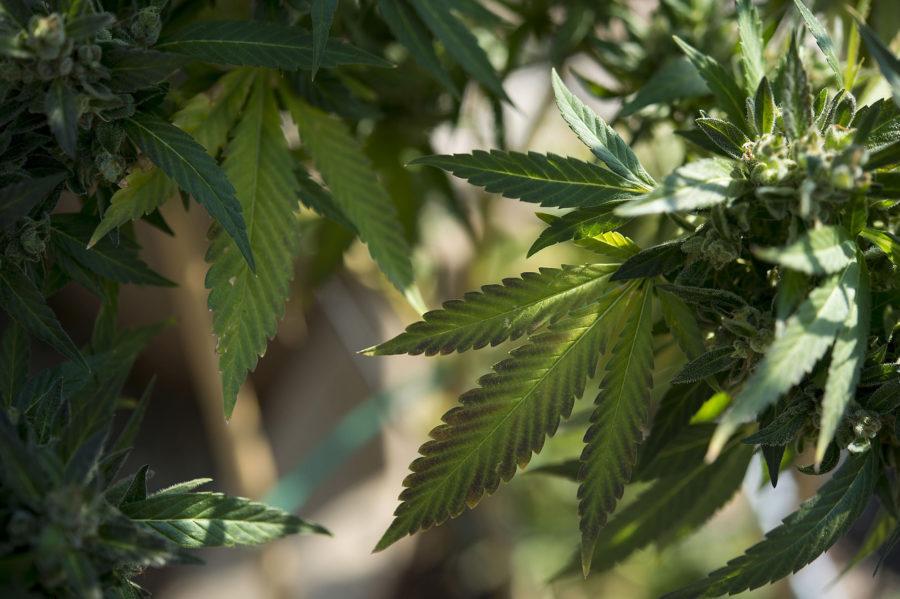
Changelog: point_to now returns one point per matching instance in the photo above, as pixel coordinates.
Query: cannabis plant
(777, 279)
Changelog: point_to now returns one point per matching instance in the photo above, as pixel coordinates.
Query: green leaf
(602, 139)
(548, 180)
(887, 62)
(611, 246)
(61, 106)
(134, 69)
(247, 305)
(142, 192)
(752, 40)
(847, 359)
(804, 535)
(24, 303)
(17, 469)
(712, 362)
(500, 424)
(214, 520)
(730, 97)
(17, 199)
(254, 43)
(682, 323)
(807, 336)
(196, 172)
(764, 110)
(15, 352)
(322, 14)
(819, 251)
(501, 312)
(694, 186)
(676, 505)
(651, 262)
(355, 188)
(578, 224)
(726, 136)
(782, 428)
(618, 421)
(793, 92)
(884, 241)
(409, 30)
(208, 117)
(118, 262)
(460, 44)
(822, 39)
(318, 199)
(675, 80)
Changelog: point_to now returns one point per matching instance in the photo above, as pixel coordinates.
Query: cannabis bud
(47, 36)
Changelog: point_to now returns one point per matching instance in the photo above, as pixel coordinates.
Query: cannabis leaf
(322, 14)
(603, 141)
(579, 224)
(213, 519)
(887, 62)
(694, 186)
(119, 262)
(184, 160)
(247, 305)
(207, 118)
(409, 30)
(501, 312)
(460, 43)
(804, 535)
(819, 251)
(618, 421)
(675, 80)
(17, 199)
(501, 423)
(822, 39)
(729, 95)
(548, 180)
(62, 108)
(677, 503)
(356, 190)
(847, 359)
(253, 43)
(21, 299)
(752, 51)
(807, 336)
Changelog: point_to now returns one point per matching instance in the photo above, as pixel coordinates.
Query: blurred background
(328, 433)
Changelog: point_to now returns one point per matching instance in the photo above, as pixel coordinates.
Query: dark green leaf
(887, 62)
(822, 39)
(184, 160)
(675, 80)
(712, 362)
(24, 303)
(214, 520)
(804, 535)
(764, 109)
(411, 32)
(133, 69)
(254, 43)
(501, 312)
(17, 199)
(61, 106)
(729, 95)
(548, 180)
(70, 234)
(460, 44)
(726, 136)
(322, 14)
(753, 57)
(651, 262)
